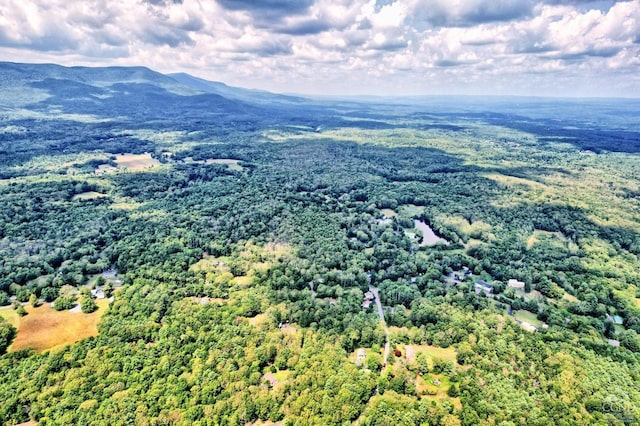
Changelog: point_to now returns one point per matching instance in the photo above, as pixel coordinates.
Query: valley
(499, 238)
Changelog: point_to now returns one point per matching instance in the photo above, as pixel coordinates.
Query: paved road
(387, 345)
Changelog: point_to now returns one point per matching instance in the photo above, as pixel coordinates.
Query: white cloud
(322, 46)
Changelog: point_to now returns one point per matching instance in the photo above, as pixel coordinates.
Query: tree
(50, 294)
(88, 305)
(100, 281)
(64, 303)
(108, 290)
(7, 334)
(33, 300)
(630, 340)
(21, 311)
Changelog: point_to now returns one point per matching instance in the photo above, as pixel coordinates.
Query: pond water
(429, 238)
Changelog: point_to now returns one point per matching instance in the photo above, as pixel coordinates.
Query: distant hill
(17, 80)
(108, 92)
(246, 95)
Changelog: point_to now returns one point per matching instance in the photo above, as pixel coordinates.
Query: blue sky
(383, 47)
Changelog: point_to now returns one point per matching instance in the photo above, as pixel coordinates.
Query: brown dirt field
(45, 328)
(388, 213)
(136, 162)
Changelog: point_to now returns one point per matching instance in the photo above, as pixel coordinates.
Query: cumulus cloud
(390, 46)
(268, 9)
(465, 13)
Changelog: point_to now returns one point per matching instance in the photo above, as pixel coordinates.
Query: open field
(527, 316)
(411, 210)
(475, 230)
(136, 162)
(230, 163)
(447, 354)
(388, 213)
(90, 195)
(45, 328)
(10, 315)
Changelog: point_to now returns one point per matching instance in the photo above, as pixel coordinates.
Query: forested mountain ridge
(240, 241)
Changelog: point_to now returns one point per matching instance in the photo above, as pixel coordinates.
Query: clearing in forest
(447, 354)
(526, 316)
(44, 328)
(388, 213)
(411, 210)
(10, 315)
(136, 162)
(553, 239)
(89, 195)
(229, 162)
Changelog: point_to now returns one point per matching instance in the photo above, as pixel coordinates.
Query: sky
(345, 47)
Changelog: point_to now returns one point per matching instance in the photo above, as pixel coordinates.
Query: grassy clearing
(569, 298)
(59, 162)
(526, 316)
(45, 328)
(554, 240)
(447, 354)
(136, 162)
(282, 375)
(90, 195)
(10, 315)
(462, 225)
(388, 213)
(259, 320)
(411, 210)
(638, 302)
(230, 163)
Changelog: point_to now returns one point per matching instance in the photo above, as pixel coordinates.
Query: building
(368, 299)
(616, 319)
(513, 283)
(484, 287)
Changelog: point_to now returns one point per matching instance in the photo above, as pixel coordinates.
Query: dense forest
(244, 247)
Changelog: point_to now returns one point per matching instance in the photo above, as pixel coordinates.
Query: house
(484, 287)
(368, 299)
(513, 283)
